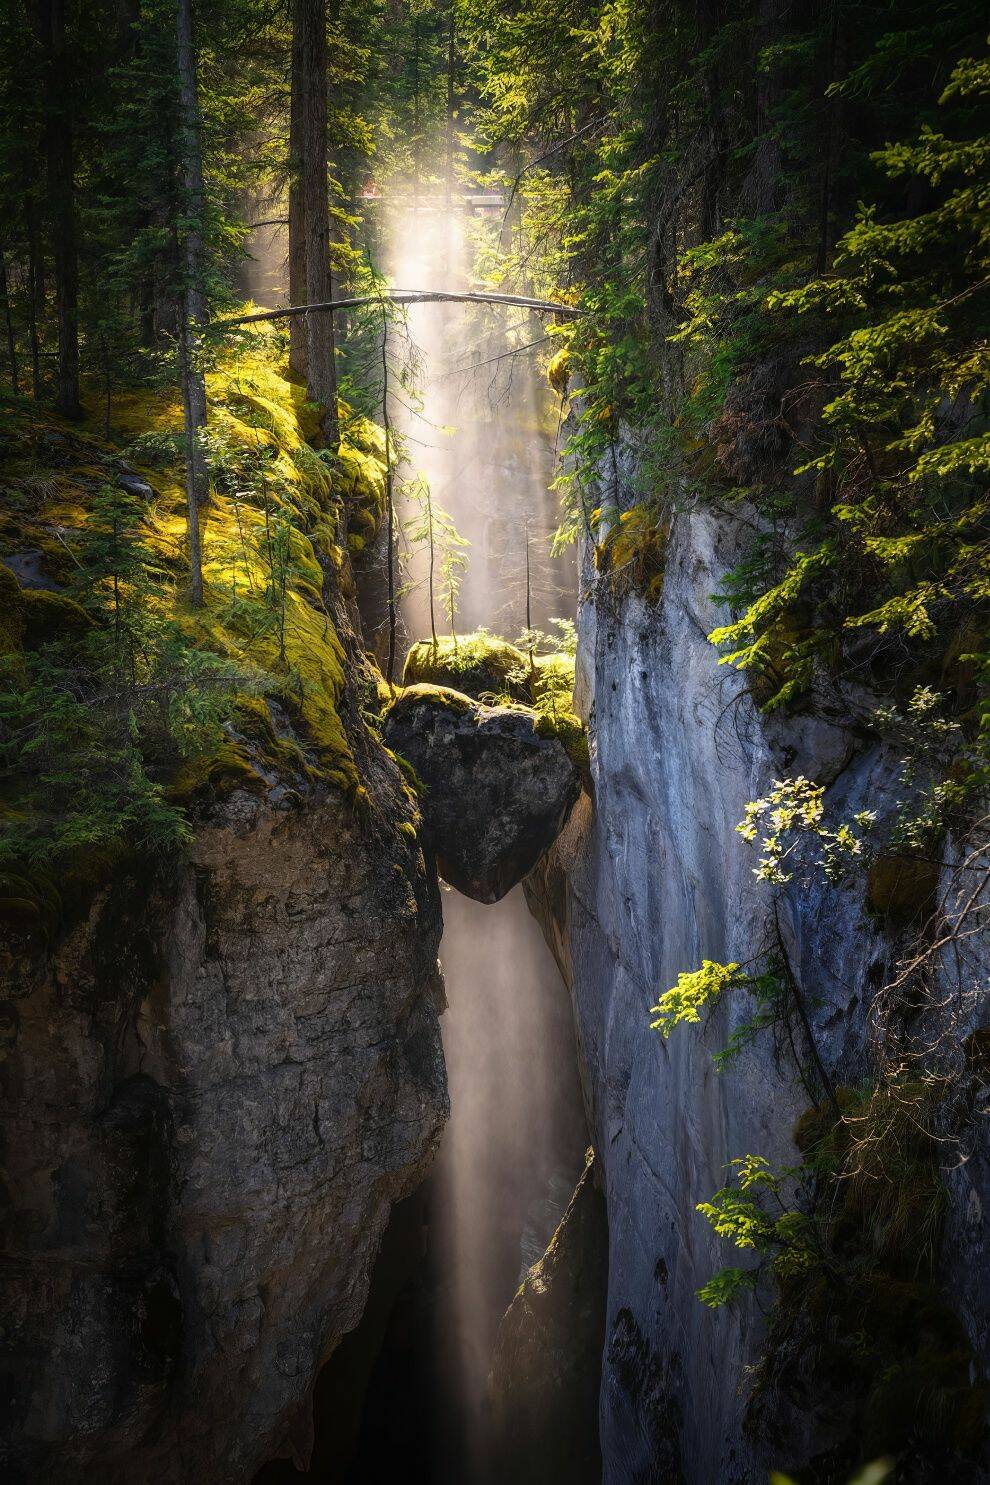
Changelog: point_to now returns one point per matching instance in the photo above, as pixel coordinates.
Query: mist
(484, 437)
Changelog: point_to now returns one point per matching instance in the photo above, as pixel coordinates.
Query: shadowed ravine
(407, 1394)
(514, 1146)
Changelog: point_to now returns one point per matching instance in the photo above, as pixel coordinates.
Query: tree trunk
(390, 509)
(146, 311)
(9, 324)
(309, 16)
(407, 296)
(297, 209)
(429, 519)
(61, 203)
(762, 190)
(416, 121)
(192, 314)
(36, 293)
(451, 98)
(828, 148)
(709, 19)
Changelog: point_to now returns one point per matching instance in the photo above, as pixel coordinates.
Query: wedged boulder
(475, 664)
(546, 1366)
(499, 785)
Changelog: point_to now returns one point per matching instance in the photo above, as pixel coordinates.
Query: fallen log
(402, 296)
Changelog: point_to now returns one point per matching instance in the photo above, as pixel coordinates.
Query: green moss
(552, 716)
(818, 1135)
(51, 617)
(21, 529)
(871, 1319)
(217, 775)
(634, 552)
(278, 751)
(439, 696)
(55, 471)
(570, 731)
(491, 669)
(478, 664)
(484, 666)
(13, 618)
(361, 476)
(901, 886)
(409, 774)
(559, 370)
(553, 687)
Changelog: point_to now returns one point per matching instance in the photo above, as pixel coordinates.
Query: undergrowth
(121, 706)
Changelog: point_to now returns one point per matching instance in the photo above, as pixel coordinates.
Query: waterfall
(485, 441)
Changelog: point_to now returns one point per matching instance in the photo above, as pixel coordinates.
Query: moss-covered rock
(496, 790)
(488, 668)
(480, 664)
(54, 473)
(218, 774)
(361, 475)
(52, 618)
(559, 370)
(570, 731)
(485, 667)
(425, 694)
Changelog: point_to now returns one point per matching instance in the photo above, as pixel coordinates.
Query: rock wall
(215, 1085)
(641, 886)
(545, 1371)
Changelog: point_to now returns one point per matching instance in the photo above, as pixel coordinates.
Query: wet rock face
(546, 1367)
(497, 793)
(217, 1086)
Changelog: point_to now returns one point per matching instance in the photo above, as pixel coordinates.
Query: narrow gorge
(494, 717)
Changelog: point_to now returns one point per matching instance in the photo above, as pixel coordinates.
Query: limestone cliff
(643, 885)
(217, 1083)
